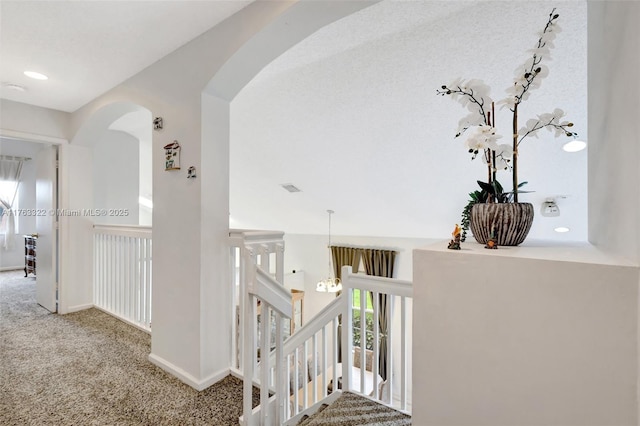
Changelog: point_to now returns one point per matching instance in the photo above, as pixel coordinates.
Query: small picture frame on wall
(172, 156)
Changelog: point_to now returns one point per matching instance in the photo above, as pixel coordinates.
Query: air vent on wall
(290, 187)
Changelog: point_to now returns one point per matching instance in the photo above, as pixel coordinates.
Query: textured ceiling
(351, 116)
(88, 47)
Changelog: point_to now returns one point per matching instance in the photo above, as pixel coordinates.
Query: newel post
(347, 327)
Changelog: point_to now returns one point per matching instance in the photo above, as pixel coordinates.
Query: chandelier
(329, 285)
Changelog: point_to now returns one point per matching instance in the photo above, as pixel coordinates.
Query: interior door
(46, 227)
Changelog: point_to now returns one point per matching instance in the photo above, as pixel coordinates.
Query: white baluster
(403, 355)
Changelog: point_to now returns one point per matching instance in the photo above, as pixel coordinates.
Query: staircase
(297, 378)
(352, 409)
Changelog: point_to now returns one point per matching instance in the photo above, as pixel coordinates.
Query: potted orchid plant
(494, 212)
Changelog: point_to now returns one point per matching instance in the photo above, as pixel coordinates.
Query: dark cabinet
(29, 255)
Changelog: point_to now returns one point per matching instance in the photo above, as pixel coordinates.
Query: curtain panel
(344, 256)
(380, 263)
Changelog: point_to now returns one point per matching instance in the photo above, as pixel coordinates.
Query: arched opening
(350, 115)
(119, 137)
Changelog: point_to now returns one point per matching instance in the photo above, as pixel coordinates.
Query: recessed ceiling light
(562, 229)
(15, 87)
(574, 146)
(36, 75)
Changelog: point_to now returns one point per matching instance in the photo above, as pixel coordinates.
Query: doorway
(35, 212)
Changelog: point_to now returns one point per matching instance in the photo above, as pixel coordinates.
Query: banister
(272, 293)
(253, 236)
(317, 323)
(376, 284)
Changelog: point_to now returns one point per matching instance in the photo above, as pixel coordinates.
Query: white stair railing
(275, 306)
(122, 273)
(249, 247)
(304, 370)
(399, 297)
(316, 344)
(312, 362)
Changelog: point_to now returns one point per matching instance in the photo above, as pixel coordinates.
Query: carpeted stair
(306, 419)
(353, 410)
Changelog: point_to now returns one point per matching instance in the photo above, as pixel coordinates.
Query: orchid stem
(515, 153)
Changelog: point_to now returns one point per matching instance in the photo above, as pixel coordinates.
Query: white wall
(146, 179)
(559, 344)
(76, 232)
(116, 178)
(187, 339)
(614, 108)
(16, 117)
(527, 336)
(190, 219)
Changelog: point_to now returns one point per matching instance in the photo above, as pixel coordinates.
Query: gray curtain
(340, 257)
(380, 263)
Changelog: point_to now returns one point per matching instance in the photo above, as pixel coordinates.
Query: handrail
(320, 320)
(296, 373)
(277, 300)
(271, 292)
(396, 291)
(247, 236)
(124, 230)
(255, 248)
(305, 394)
(376, 284)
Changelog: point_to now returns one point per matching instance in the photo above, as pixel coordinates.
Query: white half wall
(535, 335)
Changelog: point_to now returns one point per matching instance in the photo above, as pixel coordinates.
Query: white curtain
(10, 170)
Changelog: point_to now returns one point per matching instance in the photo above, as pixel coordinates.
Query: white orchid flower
(501, 164)
(504, 151)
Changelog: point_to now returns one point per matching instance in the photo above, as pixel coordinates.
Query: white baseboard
(78, 308)
(11, 268)
(236, 373)
(187, 378)
(123, 319)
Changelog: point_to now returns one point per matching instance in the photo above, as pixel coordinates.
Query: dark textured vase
(511, 222)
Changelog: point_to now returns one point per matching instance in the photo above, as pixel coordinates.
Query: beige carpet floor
(88, 368)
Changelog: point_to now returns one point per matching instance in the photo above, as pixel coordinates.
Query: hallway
(90, 368)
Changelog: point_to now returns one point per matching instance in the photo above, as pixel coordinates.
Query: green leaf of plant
(486, 187)
(498, 187)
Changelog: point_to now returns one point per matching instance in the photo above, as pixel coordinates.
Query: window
(357, 314)
(7, 191)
